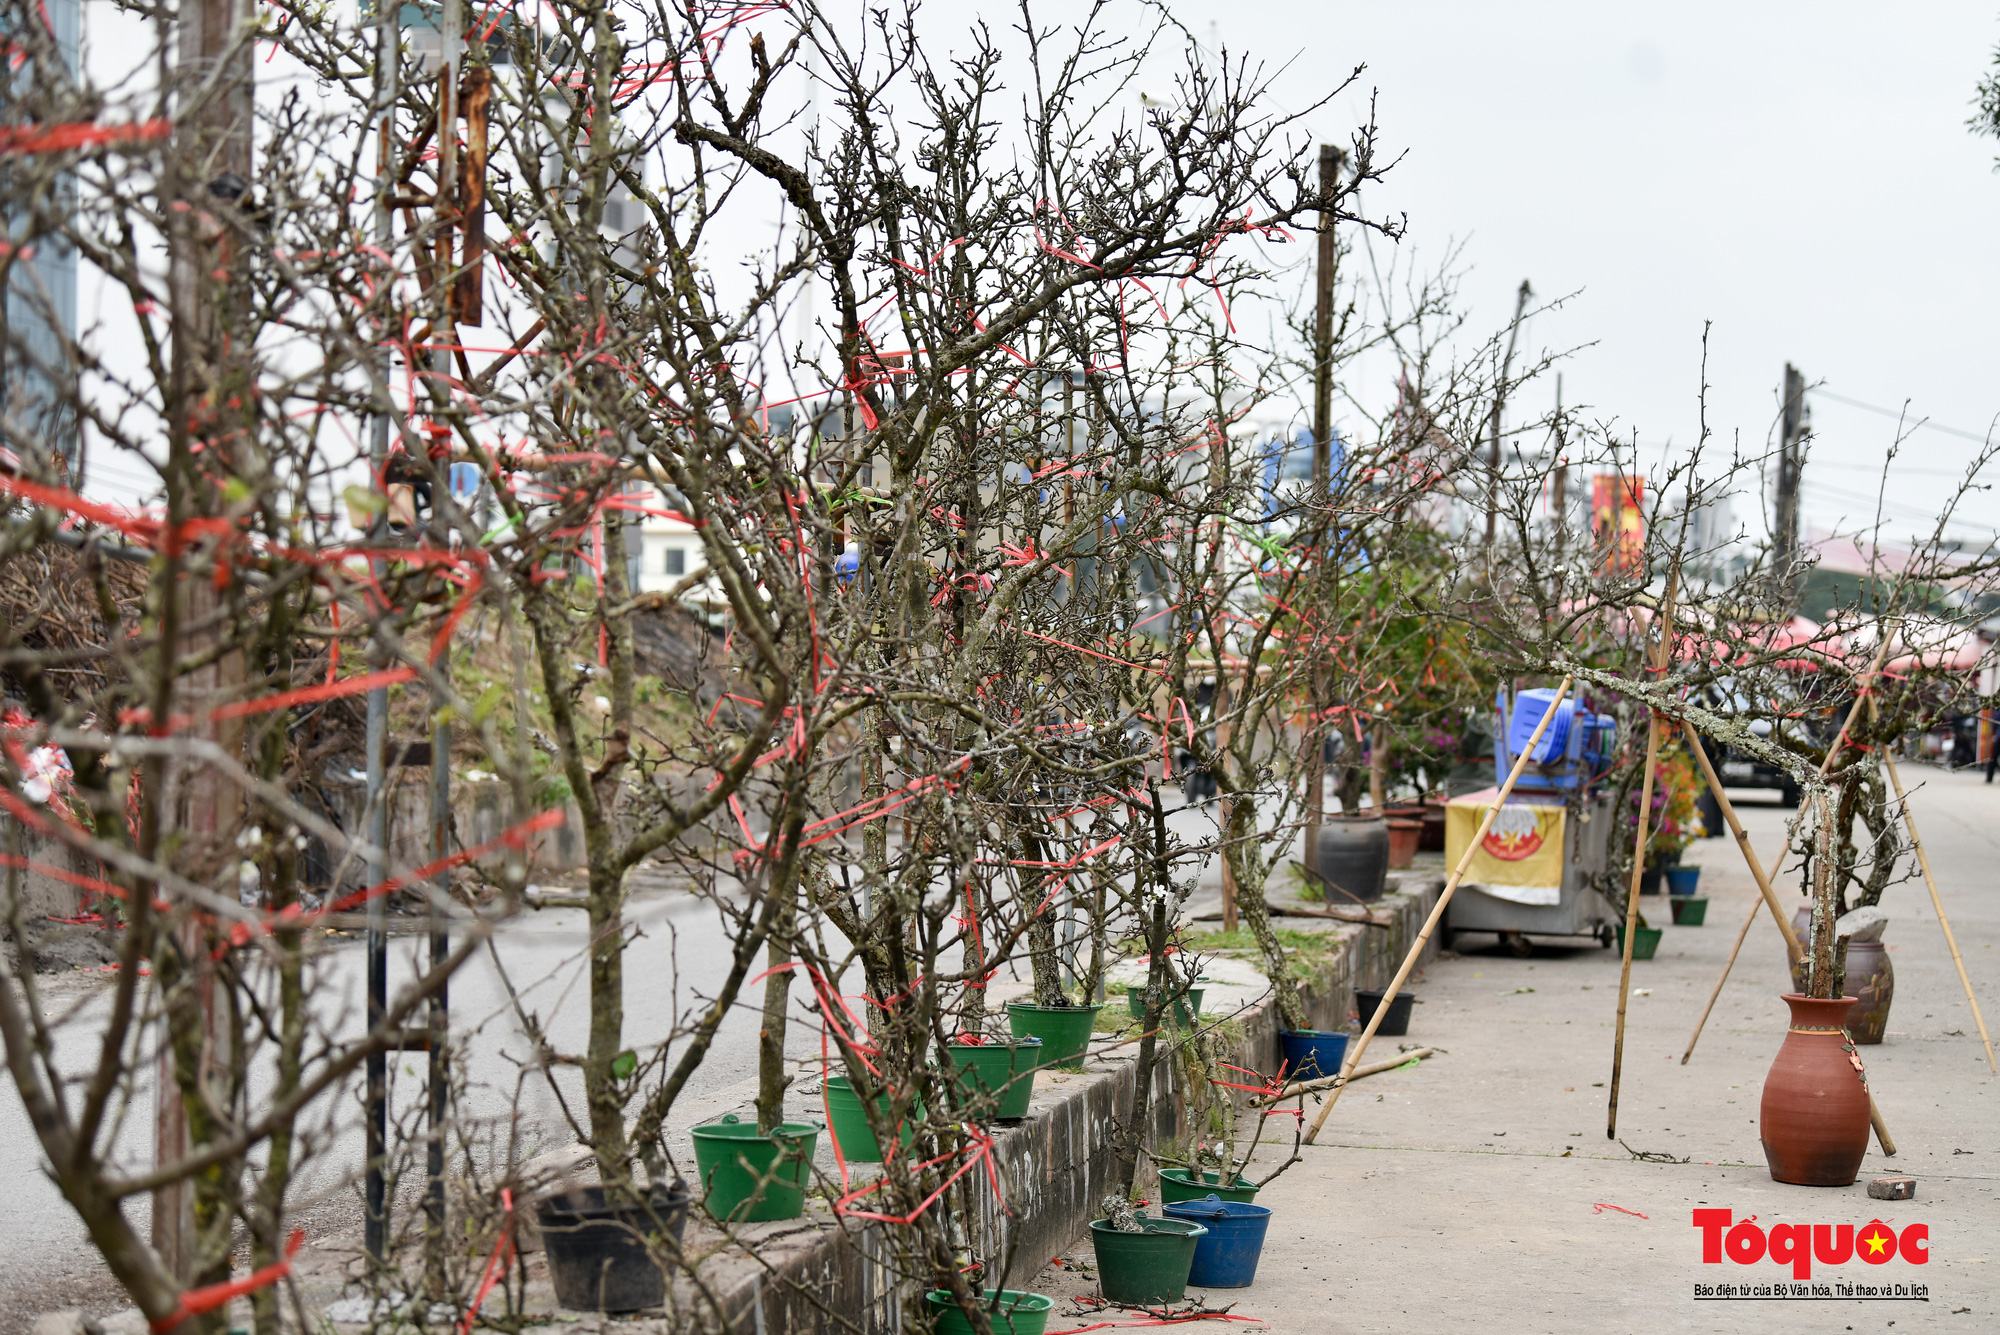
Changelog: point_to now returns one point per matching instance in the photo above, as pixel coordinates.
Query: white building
(667, 551)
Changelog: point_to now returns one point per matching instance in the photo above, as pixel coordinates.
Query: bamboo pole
(1632, 923)
(1360, 1045)
(1882, 1135)
(1661, 656)
(1767, 897)
(1930, 882)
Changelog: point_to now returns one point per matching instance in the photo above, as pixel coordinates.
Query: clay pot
(1871, 977)
(1354, 856)
(1814, 1119)
(1403, 836)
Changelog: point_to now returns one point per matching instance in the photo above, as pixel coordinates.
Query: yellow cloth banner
(1523, 849)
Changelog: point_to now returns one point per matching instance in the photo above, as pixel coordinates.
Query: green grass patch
(1291, 938)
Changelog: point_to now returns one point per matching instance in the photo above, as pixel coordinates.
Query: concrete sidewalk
(1480, 1188)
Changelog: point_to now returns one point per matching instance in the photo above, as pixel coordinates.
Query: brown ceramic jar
(1870, 977)
(1815, 1112)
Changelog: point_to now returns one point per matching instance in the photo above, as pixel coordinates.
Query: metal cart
(1544, 865)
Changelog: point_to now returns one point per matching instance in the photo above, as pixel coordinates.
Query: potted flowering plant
(1675, 819)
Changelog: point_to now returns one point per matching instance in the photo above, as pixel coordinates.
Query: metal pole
(440, 1004)
(445, 218)
(388, 58)
(376, 1115)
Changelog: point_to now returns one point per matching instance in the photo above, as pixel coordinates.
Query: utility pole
(1499, 405)
(1791, 441)
(1330, 159)
(210, 171)
(457, 216)
(1559, 502)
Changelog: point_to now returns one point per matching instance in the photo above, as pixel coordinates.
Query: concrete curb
(1056, 1166)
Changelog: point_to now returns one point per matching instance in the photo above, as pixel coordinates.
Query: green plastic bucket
(1064, 1030)
(1177, 1184)
(849, 1123)
(1689, 912)
(1186, 1009)
(746, 1177)
(995, 1079)
(1018, 1312)
(1148, 1267)
(1644, 943)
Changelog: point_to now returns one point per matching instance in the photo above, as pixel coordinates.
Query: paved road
(679, 959)
(1465, 1194)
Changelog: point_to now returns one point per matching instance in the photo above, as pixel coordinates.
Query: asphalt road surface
(678, 959)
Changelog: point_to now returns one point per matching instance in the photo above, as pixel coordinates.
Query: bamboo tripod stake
(1930, 882)
(1767, 897)
(1794, 952)
(1347, 1069)
(1662, 655)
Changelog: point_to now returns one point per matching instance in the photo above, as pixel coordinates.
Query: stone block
(1892, 1188)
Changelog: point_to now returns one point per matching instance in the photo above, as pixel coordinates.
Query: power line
(1903, 416)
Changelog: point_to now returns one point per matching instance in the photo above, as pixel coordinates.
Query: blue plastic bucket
(1529, 707)
(1683, 880)
(1227, 1257)
(1312, 1053)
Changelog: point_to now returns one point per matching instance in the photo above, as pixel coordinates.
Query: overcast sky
(1799, 174)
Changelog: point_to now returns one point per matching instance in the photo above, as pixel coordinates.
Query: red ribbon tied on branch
(196, 1301)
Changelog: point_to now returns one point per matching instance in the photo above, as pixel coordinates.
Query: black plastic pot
(601, 1255)
(1354, 856)
(1396, 1023)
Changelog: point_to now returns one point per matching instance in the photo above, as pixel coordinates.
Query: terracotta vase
(1404, 835)
(1870, 976)
(1814, 1119)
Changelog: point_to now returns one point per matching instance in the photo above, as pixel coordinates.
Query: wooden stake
(1632, 923)
(1661, 656)
(1881, 1128)
(1360, 1046)
(1767, 897)
(1930, 882)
